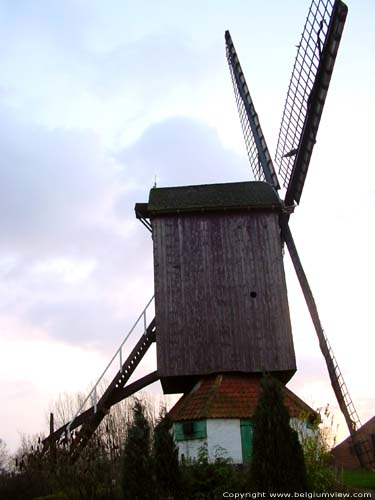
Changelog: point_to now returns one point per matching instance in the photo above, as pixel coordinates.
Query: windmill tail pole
(342, 395)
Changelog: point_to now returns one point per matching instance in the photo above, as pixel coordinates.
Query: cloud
(144, 66)
(65, 259)
(75, 263)
(52, 182)
(69, 70)
(181, 151)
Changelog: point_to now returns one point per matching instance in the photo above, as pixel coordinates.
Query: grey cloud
(51, 182)
(58, 22)
(56, 196)
(152, 66)
(181, 151)
(60, 42)
(94, 311)
(86, 321)
(55, 203)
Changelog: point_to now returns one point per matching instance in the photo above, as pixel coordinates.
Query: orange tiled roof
(229, 396)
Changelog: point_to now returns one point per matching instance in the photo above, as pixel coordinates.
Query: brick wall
(344, 454)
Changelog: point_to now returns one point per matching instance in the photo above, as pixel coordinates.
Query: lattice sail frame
(257, 150)
(300, 86)
(251, 148)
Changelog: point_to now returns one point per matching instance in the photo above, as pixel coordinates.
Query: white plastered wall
(302, 429)
(223, 441)
(189, 449)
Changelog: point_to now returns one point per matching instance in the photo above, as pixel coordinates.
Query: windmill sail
(257, 150)
(299, 126)
(303, 109)
(307, 93)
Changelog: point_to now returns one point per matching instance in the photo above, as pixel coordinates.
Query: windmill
(303, 109)
(220, 292)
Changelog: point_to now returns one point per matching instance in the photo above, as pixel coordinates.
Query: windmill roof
(213, 197)
(366, 428)
(229, 396)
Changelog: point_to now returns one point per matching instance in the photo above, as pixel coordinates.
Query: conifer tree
(137, 474)
(167, 472)
(278, 463)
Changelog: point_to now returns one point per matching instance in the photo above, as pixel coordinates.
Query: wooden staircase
(88, 420)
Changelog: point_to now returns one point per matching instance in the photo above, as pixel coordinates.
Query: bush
(204, 480)
(278, 460)
(137, 477)
(320, 474)
(166, 467)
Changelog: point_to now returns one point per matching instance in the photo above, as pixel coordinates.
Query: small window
(190, 429)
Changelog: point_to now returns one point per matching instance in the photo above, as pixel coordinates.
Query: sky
(100, 100)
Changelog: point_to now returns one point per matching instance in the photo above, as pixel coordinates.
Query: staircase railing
(93, 394)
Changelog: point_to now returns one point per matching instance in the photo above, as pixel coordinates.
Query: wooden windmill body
(220, 292)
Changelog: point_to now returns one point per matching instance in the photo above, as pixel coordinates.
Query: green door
(246, 440)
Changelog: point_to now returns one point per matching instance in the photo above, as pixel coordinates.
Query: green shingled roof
(231, 196)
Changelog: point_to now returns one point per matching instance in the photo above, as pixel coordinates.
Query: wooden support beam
(90, 426)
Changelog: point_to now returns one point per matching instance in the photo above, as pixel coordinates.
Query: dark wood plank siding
(206, 268)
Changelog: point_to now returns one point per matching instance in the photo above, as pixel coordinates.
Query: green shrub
(166, 467)
(320, 474)
(137, 470)
(278, 460)
(204, 480)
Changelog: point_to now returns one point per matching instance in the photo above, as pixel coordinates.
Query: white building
(215, 417)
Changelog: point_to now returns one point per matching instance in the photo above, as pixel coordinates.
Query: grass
(361, 479)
